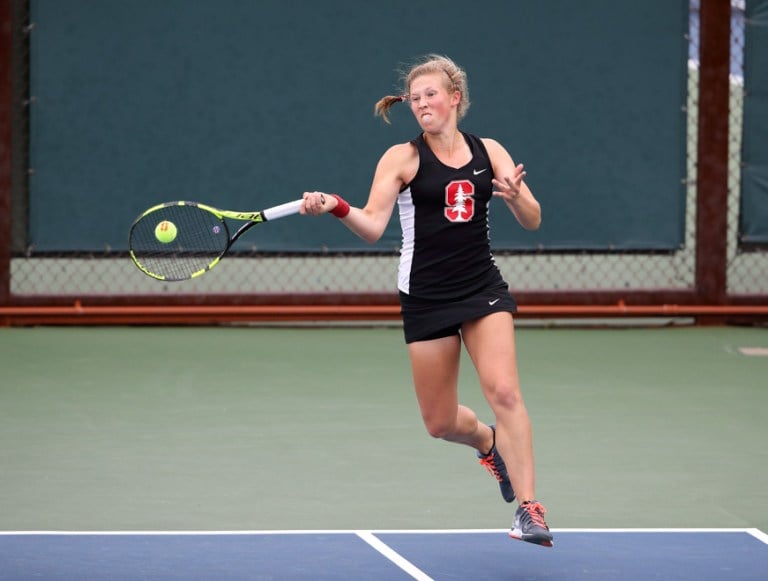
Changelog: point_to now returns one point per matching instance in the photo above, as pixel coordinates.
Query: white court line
(757, 533)
(184, 533)
(561, 530)
(394, 556)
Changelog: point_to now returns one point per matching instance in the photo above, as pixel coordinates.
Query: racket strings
(201, 238)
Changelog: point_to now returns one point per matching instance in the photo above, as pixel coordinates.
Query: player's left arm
(510, 186)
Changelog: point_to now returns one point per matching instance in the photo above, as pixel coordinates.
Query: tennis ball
(165, 231)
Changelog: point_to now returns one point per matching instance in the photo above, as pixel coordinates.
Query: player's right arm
(396, 168)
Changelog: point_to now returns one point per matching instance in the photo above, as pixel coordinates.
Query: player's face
(431, 103)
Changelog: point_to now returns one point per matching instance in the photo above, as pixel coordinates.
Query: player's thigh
(490, 342)
(435, 367)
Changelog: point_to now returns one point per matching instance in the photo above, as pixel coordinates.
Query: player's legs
(435, 367)
(490, 342)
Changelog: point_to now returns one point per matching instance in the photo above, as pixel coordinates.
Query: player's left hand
(509, 188)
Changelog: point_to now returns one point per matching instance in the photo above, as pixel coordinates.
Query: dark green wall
(245, 104)
(753, 223)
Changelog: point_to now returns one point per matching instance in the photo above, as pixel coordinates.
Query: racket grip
(282, 210)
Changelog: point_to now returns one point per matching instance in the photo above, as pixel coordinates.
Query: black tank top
(446, 250)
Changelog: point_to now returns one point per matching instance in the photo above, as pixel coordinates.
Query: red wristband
(342, 207)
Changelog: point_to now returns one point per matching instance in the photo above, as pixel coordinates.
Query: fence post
(6, 112)
(712, 169)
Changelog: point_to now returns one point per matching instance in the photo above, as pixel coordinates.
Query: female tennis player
(450, 288)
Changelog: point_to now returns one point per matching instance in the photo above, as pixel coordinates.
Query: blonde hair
(433, 63)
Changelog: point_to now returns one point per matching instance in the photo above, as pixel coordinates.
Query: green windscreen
(243, 105)
(753, 218)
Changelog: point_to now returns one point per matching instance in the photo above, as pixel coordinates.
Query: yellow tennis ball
(166, 231)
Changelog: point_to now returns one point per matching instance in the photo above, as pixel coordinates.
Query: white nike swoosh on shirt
(493, 302)
(477, 172)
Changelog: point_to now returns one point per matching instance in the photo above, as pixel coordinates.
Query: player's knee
(506, 396)
(438, 427)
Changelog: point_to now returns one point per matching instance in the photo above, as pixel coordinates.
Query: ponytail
(385, 104)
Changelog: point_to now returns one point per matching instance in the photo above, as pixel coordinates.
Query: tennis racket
(183, 240)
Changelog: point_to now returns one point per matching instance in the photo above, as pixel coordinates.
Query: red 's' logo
(460, 201)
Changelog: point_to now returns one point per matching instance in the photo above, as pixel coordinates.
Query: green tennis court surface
(257, 429)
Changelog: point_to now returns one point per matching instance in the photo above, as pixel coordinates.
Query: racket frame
(250, 219)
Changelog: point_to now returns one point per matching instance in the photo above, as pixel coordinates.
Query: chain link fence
(747, 270)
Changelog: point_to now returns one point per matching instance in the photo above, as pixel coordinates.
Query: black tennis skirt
(424, 319)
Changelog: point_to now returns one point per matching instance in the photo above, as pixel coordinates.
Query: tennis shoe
(529, 524)
(495, 466)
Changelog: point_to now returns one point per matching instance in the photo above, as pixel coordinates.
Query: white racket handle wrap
(282, 210)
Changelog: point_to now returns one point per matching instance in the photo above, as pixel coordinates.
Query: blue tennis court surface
(698, 554)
